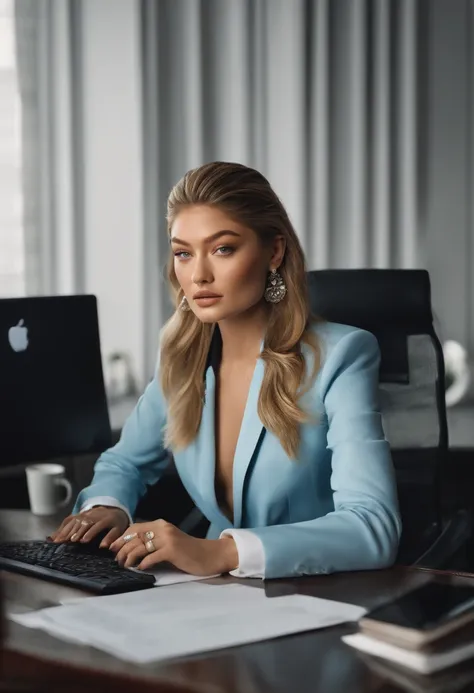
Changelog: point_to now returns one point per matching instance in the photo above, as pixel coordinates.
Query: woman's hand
(149, 543)
(85, 526)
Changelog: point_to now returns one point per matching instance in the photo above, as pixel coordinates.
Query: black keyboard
(78, 565)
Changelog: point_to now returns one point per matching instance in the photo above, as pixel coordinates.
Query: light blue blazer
(333, 509)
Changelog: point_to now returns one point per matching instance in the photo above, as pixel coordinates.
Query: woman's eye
(181, 254)
(224, 250)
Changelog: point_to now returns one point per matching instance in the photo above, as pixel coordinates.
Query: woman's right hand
(84, 526)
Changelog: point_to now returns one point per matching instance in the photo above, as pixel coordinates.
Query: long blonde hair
(246, 196)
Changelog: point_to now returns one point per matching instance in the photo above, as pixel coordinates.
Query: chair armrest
(455, 533)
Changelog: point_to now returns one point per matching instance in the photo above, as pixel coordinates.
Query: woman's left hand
(158, 541)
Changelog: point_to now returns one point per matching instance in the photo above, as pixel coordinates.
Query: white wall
(113, 177)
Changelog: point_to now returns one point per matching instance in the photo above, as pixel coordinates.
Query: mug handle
(68, 487)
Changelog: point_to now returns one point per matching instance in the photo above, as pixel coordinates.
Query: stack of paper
(423, 662)
(185, 619)
(166, 574)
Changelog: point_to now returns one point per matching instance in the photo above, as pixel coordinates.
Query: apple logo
(18, 336)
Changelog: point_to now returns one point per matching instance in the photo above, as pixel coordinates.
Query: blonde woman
(272, 416)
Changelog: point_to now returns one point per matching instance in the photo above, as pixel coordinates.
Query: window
(12, 256)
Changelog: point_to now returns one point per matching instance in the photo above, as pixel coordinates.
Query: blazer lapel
(250, 433)
(205, 447)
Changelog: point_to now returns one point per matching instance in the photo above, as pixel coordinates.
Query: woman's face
(221, 265)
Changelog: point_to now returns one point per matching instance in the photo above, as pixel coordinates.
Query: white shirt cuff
(251, 553)
(106, 500)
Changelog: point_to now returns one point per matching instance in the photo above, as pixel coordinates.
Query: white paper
(186, 619)
(418, 661)
(164, 575)
(173, 576)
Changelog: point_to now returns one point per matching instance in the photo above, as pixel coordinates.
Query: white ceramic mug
(44, 482)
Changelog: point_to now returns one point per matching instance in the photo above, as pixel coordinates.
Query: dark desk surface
(304, 663)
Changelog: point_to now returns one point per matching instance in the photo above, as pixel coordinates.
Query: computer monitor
(52, 394)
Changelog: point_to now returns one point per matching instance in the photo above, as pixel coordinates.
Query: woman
(272, 417)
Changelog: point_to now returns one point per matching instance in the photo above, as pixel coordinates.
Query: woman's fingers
(67, 531)
(117, 545)
(109, 538)
(135, 555)
(58, 531)
(152, 559)
(127, 548)
(83, 526)
(94, 529)
(124, 538)
(74, 530)
(80, 528)
(135, 548)
(63, 524)
(86, 525)
(151, 541)
(147, 544)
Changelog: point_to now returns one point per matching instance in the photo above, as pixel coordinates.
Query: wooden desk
(303, 663)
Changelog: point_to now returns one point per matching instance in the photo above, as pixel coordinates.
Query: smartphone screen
(426, 607)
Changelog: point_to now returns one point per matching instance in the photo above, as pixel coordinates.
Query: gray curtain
(320, 95)
(35, 60)
(27, 15)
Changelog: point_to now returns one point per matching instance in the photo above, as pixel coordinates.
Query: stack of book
(427, 630)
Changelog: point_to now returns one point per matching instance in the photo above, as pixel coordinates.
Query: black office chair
(395, 305)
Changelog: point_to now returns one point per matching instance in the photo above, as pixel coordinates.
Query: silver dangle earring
(276, 289)
(184, 305)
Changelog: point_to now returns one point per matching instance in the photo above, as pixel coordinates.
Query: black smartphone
(422, 615)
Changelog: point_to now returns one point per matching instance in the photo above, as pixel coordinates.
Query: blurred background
(360, 113)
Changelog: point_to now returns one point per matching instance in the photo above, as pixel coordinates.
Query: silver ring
(129, 537)
(150, 547)
(150, 535)
(86, 523)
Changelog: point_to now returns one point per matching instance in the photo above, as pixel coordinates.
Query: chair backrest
(395, 305)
